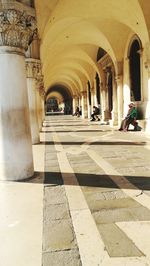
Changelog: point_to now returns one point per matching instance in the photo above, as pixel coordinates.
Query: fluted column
(84, 104)
(16, 31)
(32, 71)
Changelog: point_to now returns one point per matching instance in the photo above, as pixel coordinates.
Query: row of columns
(82, 101)
(17, 92)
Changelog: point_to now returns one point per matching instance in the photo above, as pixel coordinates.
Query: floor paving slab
(62, 258)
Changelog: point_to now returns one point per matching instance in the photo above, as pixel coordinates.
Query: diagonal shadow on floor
(140, 143)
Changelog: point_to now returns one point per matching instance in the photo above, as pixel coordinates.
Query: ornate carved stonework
(33, 68)
(42, 92)
(118, 79)
(17, 28)
(40, 85)
(84, 93)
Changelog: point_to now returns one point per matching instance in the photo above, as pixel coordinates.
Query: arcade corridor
(88, 203)
(74, 192)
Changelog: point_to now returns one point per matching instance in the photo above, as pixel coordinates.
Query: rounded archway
(135, 70)
(64, 101)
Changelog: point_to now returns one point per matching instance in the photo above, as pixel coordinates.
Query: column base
(114, 118)
(10, 172)
(106, 115)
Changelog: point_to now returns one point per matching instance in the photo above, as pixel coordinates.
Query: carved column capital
(33, 68)
(17, 28)
(118, 79)
(42, 92)
(75, 96)
(84, 93)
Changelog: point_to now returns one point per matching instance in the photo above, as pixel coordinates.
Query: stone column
(16, 30)
(147, 66)
(75, 103)
(95, 93)
(147, 113)
(80, 101)
(84, 104)
(104, 94)
(32, 71)
(92, 97)
(42, 103)
(40, 96)
(115, 104)
(119, 97)
(88, 103)
(102, 101)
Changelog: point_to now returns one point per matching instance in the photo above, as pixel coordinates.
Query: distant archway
(52, 105)
(66, 95)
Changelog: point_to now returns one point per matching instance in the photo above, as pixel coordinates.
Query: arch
(52, 104)
(134, 56)
(76, 54)
(132, 39)
(66, 95)
(64, 74)
(64, 81)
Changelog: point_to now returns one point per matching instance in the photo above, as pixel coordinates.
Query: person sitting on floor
(130, 118)
(95, 114)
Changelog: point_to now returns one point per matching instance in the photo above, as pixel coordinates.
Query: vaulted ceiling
(71, 33)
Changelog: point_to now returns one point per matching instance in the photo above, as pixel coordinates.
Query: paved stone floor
(88, 203)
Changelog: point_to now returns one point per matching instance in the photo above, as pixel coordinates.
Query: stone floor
(88, 203)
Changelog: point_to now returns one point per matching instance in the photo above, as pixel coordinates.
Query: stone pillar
(105, 106)
(95, 93)
(75, 103)
(119, 97)
(88, 102)
(80, 102)
(42, 103)
(115, 103)
(84, 104)
(92, 97)
(147, 66)
(39, 108)
(32, 70)
(40, 96)
(88, 89)
(102, 101)
(147, 113)
(16, 29)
